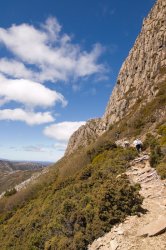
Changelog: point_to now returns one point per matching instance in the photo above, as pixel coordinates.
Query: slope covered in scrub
(69, 213)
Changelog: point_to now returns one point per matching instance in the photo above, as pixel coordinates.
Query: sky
(59, 61)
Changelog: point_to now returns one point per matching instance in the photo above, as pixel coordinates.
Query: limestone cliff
(137, 80)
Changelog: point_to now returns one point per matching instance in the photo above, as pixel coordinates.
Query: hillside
(9, 166)
(13, 173)
(63, 212)
(97, 184)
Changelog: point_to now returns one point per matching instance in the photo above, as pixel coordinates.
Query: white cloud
(38, 55)
(13, 68)
(29, 93)
(52, 27)
(86, 64)
(51, 52)
(28, 117)
(62, 131)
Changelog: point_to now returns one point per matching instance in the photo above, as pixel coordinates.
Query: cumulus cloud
(28, 117)
(63, 130)
(28, 93)
(15, 69)
(38, 55)
(51, 51)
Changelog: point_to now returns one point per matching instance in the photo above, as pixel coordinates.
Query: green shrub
(80, 241)
(150, 141)
(155, 150)
(100, 147)
(155, 156)
(162, 129)
(161, 170)
(162, 132)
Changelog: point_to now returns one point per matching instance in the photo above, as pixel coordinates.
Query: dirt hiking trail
(147, 231)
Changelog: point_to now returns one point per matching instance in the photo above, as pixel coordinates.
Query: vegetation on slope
(9, 180)
(69, 213)
(157, 145)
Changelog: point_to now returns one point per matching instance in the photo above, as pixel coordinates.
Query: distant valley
(9, 166)
(13, 173)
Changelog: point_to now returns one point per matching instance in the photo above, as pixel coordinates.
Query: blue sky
(59, 61)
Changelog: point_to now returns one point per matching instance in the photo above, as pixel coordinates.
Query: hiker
(138, 144)
(126, 144)
(117, 134)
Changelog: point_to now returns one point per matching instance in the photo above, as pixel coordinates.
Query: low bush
(162, 133)
(150, 141)
(161, 169)
(99, 147)
(155, 156)
(157, 150)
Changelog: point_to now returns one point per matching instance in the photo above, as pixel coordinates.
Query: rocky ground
(147, 231)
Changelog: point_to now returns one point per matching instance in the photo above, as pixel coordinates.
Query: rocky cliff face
(137, 79)
(141, 70)
(85, 135)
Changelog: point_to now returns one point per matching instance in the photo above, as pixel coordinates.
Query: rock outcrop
(143, 67)
(85, 135)
(137, 81)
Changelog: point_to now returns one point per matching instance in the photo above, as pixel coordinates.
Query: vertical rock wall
(141, 70)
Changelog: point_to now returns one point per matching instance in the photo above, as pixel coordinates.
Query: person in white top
(138, 144)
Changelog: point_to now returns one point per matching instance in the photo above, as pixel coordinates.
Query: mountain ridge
(140, 73)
